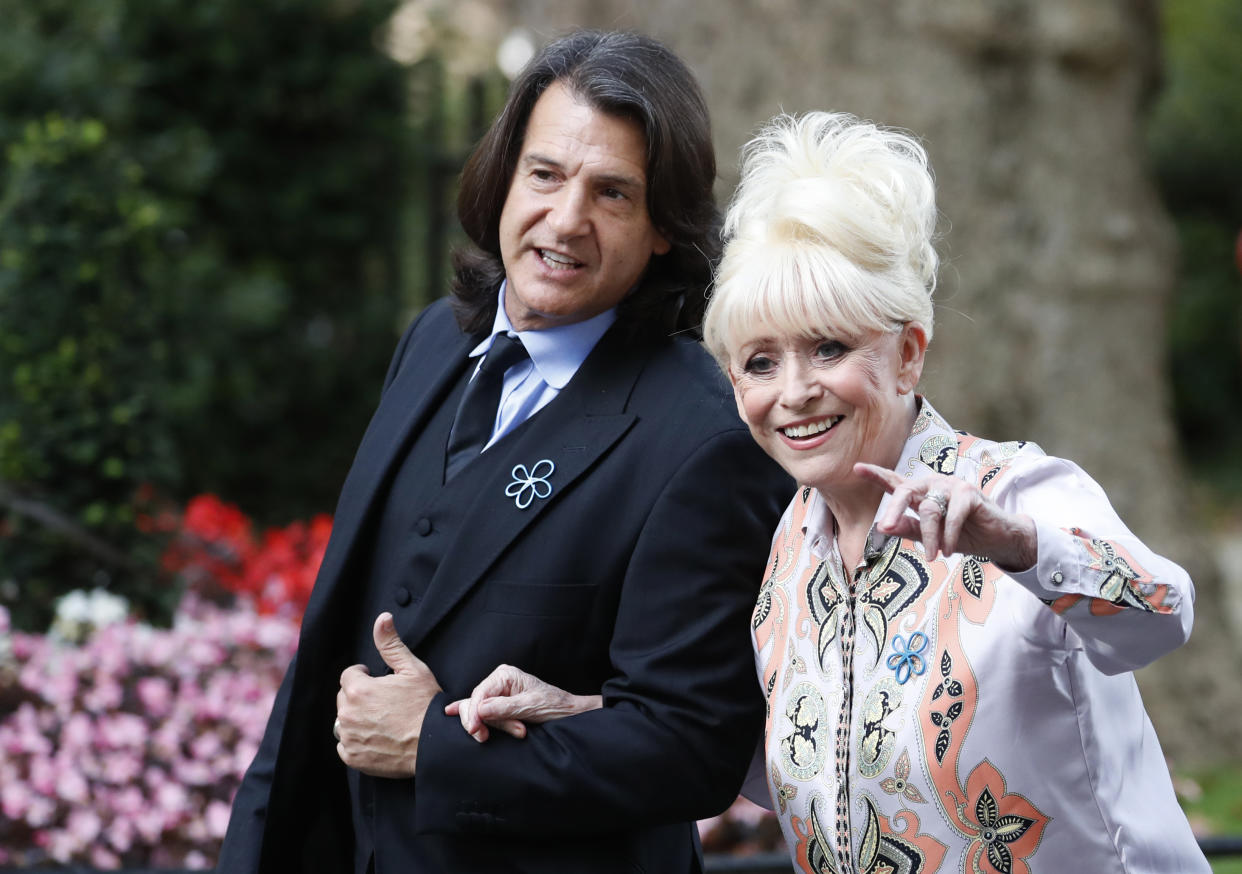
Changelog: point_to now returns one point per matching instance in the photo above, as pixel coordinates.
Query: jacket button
(402, 596)
(423, 526)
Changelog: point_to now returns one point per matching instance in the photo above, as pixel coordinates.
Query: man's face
(574, 232)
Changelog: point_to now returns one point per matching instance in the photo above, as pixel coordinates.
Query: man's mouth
(557, 261)
(810, 429)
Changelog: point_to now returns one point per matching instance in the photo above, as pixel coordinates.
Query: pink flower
(205, 746)
(72, 786)
(193, 773)
(172, 798)
(149, 824)
(121, 767)
(122, 731)
(77, 733)
(217, 817)
(40, 811)
(120, 834)
(85, 825)
(103, 858)
(43, 774)
(155, 693)
(107, 694)
(15, 799)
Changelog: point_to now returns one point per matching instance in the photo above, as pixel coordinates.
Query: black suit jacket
(636, 576)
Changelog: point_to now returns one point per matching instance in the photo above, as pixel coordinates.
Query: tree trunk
(1058, 257)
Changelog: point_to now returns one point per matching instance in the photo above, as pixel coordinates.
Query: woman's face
(819, 405)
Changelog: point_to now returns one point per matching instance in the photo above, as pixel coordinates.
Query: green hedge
(199, 289)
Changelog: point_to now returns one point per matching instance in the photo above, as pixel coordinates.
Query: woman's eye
(759, 364)
(830, 350)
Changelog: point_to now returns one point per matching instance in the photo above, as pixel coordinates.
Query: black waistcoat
(418, 518)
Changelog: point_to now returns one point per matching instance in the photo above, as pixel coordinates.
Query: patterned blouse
(947, 716)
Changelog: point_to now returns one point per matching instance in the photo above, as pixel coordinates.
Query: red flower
(217, 546)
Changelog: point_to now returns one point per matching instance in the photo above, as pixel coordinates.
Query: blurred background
(216, 218)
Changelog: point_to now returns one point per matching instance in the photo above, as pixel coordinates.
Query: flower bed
(125, 750)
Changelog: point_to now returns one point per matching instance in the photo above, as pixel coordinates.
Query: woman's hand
(508, 698)
(953, 516)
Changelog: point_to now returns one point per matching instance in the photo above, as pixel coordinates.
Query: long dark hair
(628, 76)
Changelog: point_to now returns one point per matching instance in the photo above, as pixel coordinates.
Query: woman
(947, 629)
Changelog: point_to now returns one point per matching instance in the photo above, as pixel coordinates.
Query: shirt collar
(558, 352)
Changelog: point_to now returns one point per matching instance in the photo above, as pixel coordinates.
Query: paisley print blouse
(945, 716)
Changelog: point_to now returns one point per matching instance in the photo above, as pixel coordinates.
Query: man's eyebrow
(536, 158)
(618, 180)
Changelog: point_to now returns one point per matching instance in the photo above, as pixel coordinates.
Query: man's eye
(614, 194)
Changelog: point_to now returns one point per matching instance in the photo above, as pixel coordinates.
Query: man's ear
(660, 245)
(912, 349)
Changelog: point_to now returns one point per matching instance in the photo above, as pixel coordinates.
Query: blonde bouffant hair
(830, 233)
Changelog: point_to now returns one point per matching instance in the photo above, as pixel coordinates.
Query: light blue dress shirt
(555, 356)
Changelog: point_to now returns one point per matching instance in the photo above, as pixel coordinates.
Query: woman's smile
(800, 433)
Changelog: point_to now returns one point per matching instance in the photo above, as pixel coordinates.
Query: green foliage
(199, 287)
(1213, 801)
(1195, 140)
(1196, 128)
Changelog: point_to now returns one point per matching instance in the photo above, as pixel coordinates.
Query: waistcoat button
(423, 526)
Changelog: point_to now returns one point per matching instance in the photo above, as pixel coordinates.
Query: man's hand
(379, 719)
(508, 698)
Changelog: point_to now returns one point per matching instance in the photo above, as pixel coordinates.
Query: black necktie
(477, 413)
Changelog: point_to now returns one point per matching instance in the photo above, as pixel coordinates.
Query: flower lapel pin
(528, 485)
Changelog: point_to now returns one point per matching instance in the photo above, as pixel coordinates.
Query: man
(610, 536)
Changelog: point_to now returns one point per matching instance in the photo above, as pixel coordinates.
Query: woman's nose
(799, 385)
(568, 215)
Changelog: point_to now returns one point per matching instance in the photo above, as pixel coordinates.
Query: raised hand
(952, 515)
(508, 698)
(379, 719)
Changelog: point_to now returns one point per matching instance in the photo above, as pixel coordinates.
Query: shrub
(199, 215)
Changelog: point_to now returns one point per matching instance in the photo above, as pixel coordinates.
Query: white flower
(80, 613)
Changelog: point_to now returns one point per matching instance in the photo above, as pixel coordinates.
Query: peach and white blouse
(946, 716)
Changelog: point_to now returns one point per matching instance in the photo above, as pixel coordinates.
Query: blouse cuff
(1058, 567)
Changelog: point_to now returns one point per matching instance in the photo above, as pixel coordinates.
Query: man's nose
(568, 216)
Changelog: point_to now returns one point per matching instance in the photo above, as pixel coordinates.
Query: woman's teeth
(811, 429)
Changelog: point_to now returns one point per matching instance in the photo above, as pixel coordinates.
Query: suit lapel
(572, 432)
(422, 381)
